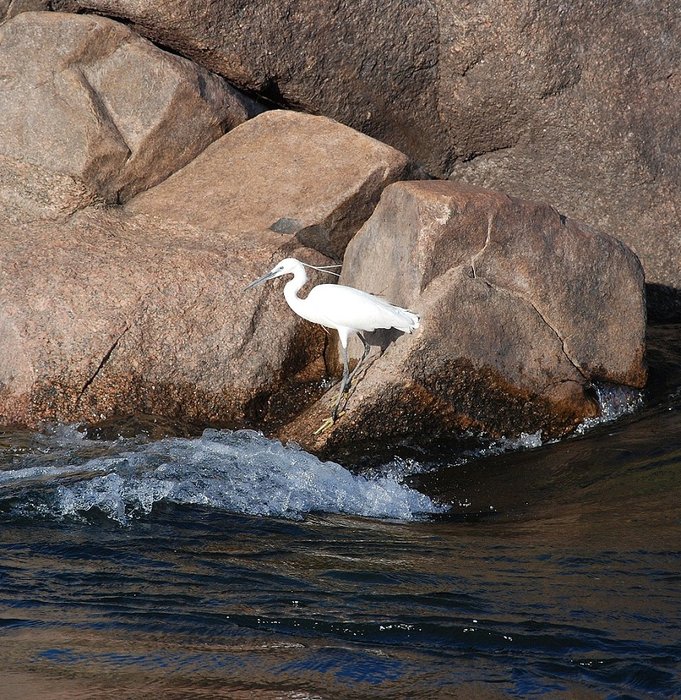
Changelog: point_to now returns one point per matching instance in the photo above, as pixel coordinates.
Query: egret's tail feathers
(411, 321)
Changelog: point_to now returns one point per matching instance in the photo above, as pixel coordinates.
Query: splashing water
(240, 472)
(614, 401)
(63, 474)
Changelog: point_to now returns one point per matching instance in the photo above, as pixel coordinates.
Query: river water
(228, 565)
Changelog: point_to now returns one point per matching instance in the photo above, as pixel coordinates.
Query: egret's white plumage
(346, 309)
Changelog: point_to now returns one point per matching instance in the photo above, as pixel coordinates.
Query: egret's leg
(344, 383)
(365, 354)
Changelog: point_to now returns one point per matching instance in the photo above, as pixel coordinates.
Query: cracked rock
(91, 112)
(522, 309)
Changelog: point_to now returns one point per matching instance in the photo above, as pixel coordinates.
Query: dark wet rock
(663, 303)
(301, 177)
(521, 310)
(574, 104)
(91, 112)
(137, 425)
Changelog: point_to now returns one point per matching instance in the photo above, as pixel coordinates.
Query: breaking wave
(239, 472)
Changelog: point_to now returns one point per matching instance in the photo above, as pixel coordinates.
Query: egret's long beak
(270, 275)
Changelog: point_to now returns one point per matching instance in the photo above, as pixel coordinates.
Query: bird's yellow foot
(327, 424)
(324, 426)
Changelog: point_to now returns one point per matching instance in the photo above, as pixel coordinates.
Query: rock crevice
(102, 363)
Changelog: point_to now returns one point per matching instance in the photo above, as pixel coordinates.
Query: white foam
(614, 402)
(239, 472)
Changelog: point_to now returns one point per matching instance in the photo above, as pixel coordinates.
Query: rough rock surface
(11, 8)
(114, 315)
(297, 175)
(142, 308)
(575, 104)
(89, 110)
(521, 309)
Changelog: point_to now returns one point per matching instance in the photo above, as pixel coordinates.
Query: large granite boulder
(91, 112)
(302, 177)
(522, 309)
(118, 315)
(142, 308)
(575, 104)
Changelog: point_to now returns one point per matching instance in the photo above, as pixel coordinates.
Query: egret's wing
(352, 308)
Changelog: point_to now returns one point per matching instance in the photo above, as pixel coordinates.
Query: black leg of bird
(365, 354)
(344, 382)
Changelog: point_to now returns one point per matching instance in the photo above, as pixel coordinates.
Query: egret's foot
(337, 411)
(325, 425)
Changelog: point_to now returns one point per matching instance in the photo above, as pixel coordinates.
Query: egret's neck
(293, 286)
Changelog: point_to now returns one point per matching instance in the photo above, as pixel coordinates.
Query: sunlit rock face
(575, 104)
(522, 309)
(300, 177)
(92, 112)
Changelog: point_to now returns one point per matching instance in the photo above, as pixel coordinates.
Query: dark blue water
(230, 566)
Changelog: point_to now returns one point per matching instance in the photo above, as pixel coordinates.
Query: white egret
(346, 309)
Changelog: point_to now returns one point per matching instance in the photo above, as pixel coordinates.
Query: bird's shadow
(383, 337)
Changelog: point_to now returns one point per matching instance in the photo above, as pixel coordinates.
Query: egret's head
(288, 266)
